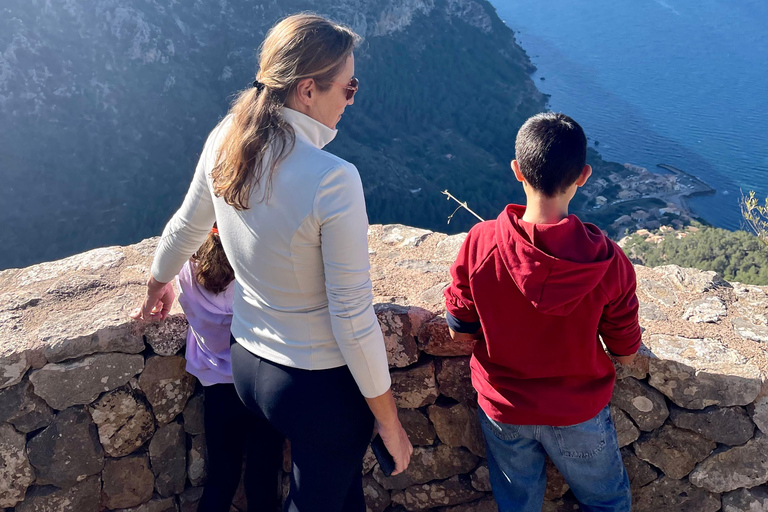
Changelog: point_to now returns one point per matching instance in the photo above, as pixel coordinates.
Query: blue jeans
(586, 454)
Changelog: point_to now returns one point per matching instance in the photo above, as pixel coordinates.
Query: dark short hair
(551, 150)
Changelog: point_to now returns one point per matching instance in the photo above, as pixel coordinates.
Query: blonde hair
(298, 47)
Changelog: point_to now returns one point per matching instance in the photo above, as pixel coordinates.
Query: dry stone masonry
(97, 412)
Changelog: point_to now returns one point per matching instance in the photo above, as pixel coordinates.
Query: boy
(535, 287)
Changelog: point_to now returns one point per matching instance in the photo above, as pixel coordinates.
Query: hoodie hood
(554, 265)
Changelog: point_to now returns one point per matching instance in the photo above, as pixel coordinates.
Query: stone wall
(97, 412)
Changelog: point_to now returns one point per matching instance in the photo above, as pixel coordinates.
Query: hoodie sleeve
(619, 326)
(461, 314)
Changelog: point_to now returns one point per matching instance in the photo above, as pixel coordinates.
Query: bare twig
(462, 204)
(755, 215)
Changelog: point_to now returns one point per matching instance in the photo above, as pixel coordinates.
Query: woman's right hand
(397, 443)
(157, 303)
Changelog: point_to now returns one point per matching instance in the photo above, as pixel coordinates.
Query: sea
(678, 82)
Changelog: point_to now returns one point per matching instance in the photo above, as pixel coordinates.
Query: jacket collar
(312, 131)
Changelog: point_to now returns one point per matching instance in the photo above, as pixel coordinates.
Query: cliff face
(107, 105)
(97, 412)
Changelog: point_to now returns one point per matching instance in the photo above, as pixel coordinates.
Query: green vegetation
(736, 255)
(755, 215)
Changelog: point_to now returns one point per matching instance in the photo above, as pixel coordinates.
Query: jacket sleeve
(339, 209)
(461, 314)
(619, 325)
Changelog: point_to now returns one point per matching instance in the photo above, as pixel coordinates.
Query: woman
(308, 353)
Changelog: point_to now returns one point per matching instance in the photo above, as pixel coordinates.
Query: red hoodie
(542, 293)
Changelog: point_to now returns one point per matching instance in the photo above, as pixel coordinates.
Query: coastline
(696, 187)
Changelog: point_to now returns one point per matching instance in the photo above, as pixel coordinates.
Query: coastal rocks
(657, 292)
(418, 427)
(13, 366)
(167, 337)
(458, 425)
(168, 455)
(742, 466)
(697, 373)
(644, 404)
(675, 451)
(100, 259)
(759, 412)
(16, 474)
(434, 339)
(746, 500)
(454, 379)
(725, 425)
(690, 279)
(430, 463)
(640, 473)
(448, 492)
(81, 381)
(710, 310)
(652, 312)
(750, 331)
(84, 496)
(124, 422)
(398, 334)
(626, 431)
(416, 386)
(448, 248)
(128, 482)
(377, 498)
(403, 236)
(23, 409)
(670, 494)
(66, 451)
(167, 386)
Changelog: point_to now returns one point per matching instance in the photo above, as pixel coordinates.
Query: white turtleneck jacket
(303, 294)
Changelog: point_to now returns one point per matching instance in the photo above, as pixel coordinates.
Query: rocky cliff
(97, 413)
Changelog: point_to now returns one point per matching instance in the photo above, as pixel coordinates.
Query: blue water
(680, 82)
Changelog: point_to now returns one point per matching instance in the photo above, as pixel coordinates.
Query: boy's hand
(624, 360)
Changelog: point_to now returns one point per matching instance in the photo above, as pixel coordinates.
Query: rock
(651, 312)
(194, 415)
(103, 328)
(667, 494)
(16, 474)
(67, 450)
(154, 505)
(626, 431)
(759, 412)
(100, 259)
(168, 455)
(741, 466)
(639, 366)
(197, 461)
(376, 497)
(167, 386)
(128, 481)
(675, 451)
(640, 473)
(84, 496)
(691, 279)
(403, 236)
(448, 248)
(430, 463)
(13, 366)
(746, 500)
(189, 499)
(21, 407)
(644, 404)
(398, 334)
(725, 425)
(709, 310)
(481, 478)
(167, 337)
(416, 424)
(750, 331)
(414, 387)
(448, 492)
(435, 339)
(487, 504)
(454, 379)
(458, 425)
(124, 422)
(369, 459)
(657, 292)
(565, 504)
(81, 381)
(556, 484)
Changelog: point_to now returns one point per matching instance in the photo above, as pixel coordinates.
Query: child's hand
(157, 304)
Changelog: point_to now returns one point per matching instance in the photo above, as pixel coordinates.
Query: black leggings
(231, 430)
(327, 420)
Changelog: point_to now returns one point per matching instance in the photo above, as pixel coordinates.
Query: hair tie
(258, 85)
(215, 231)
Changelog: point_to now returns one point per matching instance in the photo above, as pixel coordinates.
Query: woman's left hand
(157, 304)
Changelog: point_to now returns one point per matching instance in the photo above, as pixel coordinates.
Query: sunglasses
(351, 87)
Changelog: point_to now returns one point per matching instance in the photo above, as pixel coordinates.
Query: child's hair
(213, 272)
(551, 150)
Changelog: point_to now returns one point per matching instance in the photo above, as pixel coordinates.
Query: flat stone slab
(430, 463)
(128, 481)
(84, 496)
(742, 466)
(746, 500)
(398, 332)
(16, 473)
(197, 461)
(420, 430)
(22, 408)
(167, 337)
(81, 381)
(168, 457)
(645, 405)
(458, 425)
(626, 431)
(377, 498)
(167, 386)
(697, 373)
(640, 473)
(725, 425)
(435, 339)
(448, 492)
(758, 410)
(668, 494)
(673, 450)
(710, 310)
(415, 386)
(124, 422)
(750, 331)
(454, 379)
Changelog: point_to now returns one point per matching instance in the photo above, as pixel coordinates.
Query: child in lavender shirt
(206, 283)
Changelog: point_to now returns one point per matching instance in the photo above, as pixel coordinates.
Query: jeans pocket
(503, 431)
(583, 440)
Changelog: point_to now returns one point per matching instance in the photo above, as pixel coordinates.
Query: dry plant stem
(462, 204)
(755, 215)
